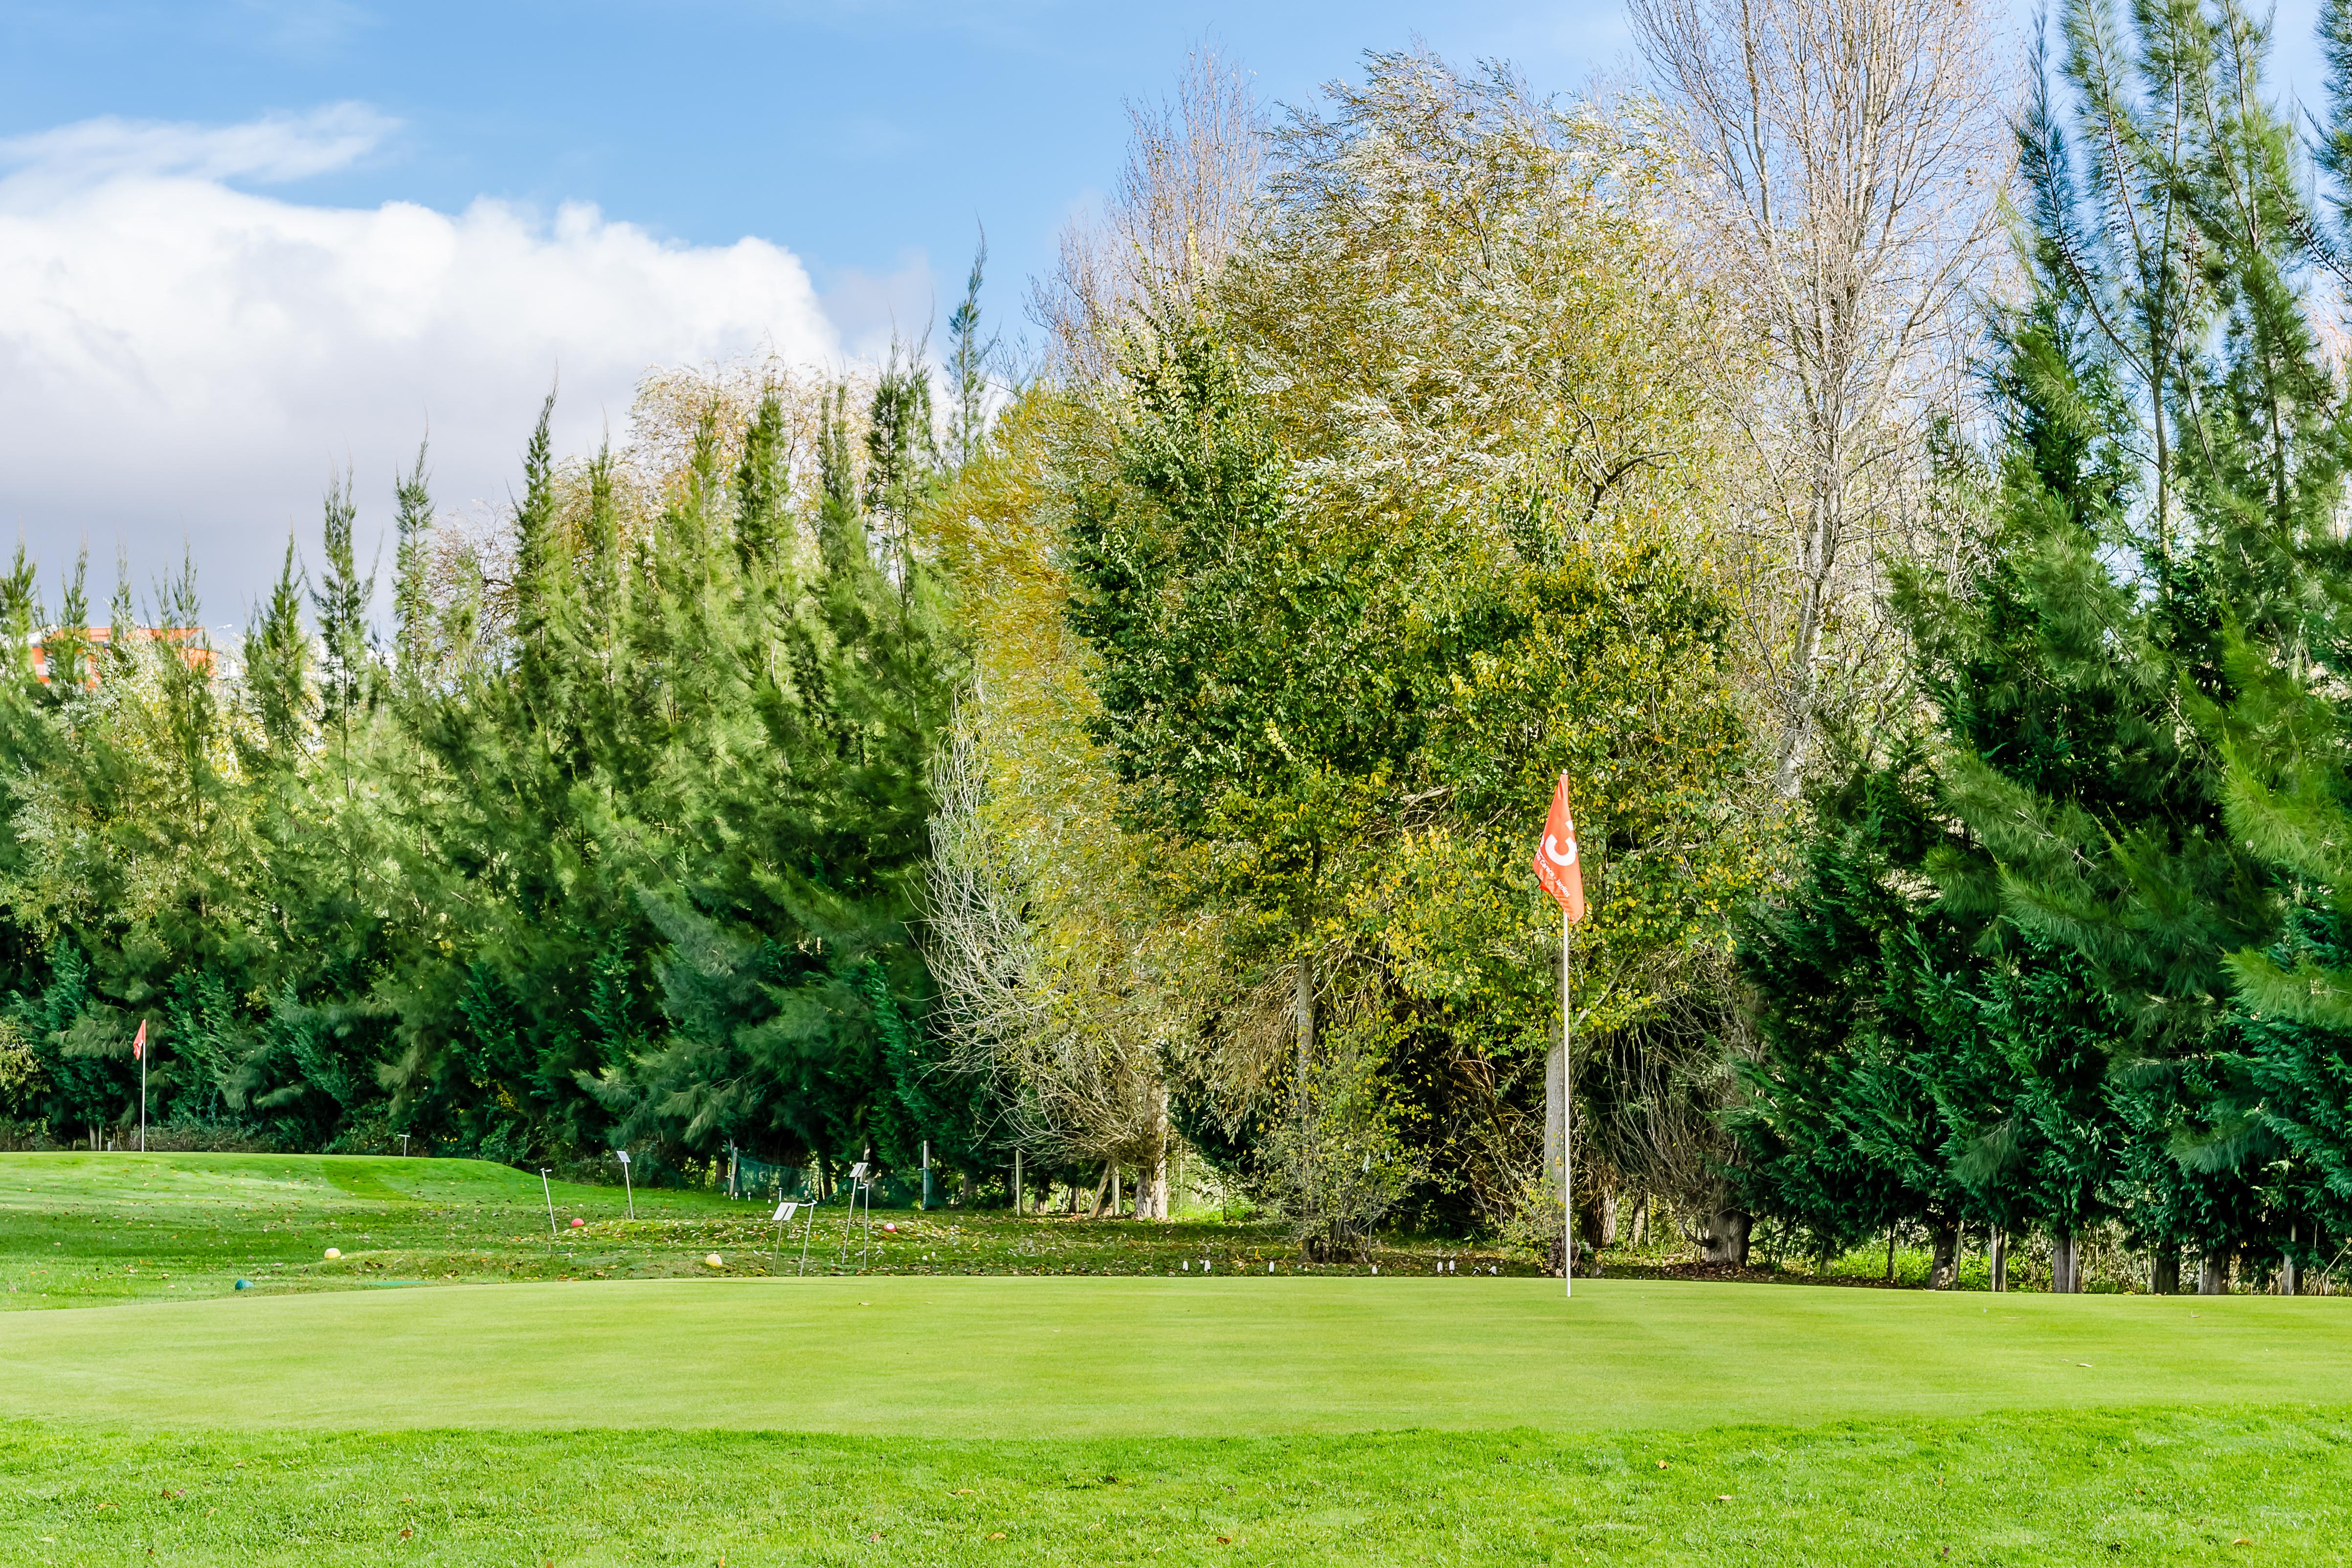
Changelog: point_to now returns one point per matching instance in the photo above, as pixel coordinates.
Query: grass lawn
(2151, 1486)
(940, 1413)
(86, 1229)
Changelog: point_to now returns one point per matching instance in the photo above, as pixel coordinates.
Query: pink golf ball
(889, 1225)
(579, 1222)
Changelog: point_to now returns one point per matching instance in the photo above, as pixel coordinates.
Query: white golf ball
(333, 1253)
(714, 1261)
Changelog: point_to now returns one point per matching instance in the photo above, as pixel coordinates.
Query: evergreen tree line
(2066, 952)
(613, 837)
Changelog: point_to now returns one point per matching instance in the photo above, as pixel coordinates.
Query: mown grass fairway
(931, 1418)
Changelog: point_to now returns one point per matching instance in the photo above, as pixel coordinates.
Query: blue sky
(864, 137)
(244, 242)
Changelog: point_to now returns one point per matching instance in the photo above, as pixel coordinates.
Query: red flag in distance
(1558, 866)
(138, 1042)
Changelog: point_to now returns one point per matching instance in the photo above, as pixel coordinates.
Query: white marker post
(549, 1193)
(784, 1215)
(1567, 1107)
(857, 1182)
(628, 1185)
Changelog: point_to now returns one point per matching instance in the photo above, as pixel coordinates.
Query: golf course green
(1054, 1358)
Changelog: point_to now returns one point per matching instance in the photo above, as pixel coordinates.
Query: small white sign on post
(783, 1216)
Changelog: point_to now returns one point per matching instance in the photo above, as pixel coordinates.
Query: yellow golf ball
(714, 1261)
(333, 1253)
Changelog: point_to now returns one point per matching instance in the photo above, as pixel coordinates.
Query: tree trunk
(1018, 1196)
(1554, 1171)
(2065, 1262)
(2165, 1277)
(1727, 1237)
(1102, 1190)
(1555, 1077)
(1642, 1220)
(1944, 1272)
(1152, 1191)
(1596, 1220)
(2000, 1259)
(1114, 1190)
(2213, 1274)
(1305, 1005)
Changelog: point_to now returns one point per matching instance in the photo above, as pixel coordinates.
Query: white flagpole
(142, 1097)
(1566, 1114)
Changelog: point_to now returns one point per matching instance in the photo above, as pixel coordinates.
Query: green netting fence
(757, 1181)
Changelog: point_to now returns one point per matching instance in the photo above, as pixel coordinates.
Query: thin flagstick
(1567, 1114)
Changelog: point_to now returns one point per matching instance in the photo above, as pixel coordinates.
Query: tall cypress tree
(412, 559)
(969, 358)
(762, 486)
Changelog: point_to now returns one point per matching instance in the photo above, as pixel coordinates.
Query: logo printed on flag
(138, 1042)
(1558, 864)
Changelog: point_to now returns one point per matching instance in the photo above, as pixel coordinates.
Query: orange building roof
(198, 655)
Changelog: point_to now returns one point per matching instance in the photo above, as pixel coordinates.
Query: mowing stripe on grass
(1118, 1357)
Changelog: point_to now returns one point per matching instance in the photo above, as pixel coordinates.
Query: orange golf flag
(139, 1043)
(1557, 862)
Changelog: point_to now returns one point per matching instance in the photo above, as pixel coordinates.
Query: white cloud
(271, 150)
(179, 357)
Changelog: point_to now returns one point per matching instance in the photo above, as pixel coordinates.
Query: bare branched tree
(1183, 204)
(1072, 1051)
(1857, 152)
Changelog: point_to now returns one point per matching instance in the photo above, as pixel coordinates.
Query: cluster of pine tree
(2070, 954)
(615, 837)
